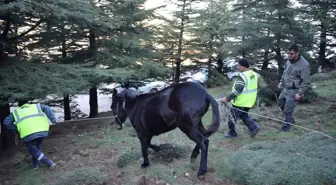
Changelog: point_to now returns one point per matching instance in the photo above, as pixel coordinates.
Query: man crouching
(31, 121)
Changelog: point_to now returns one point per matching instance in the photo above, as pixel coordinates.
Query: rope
(275, 119)
(87, 119)
(227, 115)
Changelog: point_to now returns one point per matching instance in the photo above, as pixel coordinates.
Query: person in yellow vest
(243, 97)
(31, 121)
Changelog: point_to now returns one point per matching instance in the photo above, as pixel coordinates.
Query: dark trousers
(287, 103)
(34, 148)
(237, 113)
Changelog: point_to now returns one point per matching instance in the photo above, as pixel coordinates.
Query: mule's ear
(131, 93)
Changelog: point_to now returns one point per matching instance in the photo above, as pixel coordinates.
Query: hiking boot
(48, 162)
(35, 163)
(228, 136)
(285, 128)
(255, 131)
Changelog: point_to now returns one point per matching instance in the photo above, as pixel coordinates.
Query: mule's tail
(214, 126)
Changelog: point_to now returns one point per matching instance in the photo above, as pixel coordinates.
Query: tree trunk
(92, 40)
(209, 67)
(67, 110)
(93, 91)
(177, 71)
(7, 139)
(179, 50)
(322, 46)
(66, 98)
(243, 51)
(280, 61)
(93, 102)
(220, 63)
(265, 61)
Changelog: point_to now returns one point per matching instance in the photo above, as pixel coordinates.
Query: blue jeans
(35, 151)
(34, 147)
(237, 113)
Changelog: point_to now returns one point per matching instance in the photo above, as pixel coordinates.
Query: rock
(133, 134)
(187, 174)
(142, 180)
(61, 162)
(120, 174)
(211, 170)
(84, 152)
(159, 181)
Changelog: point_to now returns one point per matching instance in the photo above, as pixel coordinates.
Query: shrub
(268, 89)
(84, 175)
(303, 160)
(216, 80)
(323, 76)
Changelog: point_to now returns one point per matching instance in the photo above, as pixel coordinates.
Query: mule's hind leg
(195, 153)
(196, 150)
(203, 143)
(156, 148)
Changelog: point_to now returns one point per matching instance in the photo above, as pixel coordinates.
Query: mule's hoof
(119, 127)
(144, 165)
(201, 174)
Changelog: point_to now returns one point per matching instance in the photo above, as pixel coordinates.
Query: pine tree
(322, 12)
(268, 27)
(210, 32)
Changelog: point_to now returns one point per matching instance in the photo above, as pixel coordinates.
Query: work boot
(285, 128)
(35, 163)
(48, 162)
(230, 135)
(255, 131)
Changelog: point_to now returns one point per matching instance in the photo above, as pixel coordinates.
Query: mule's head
(120, 96)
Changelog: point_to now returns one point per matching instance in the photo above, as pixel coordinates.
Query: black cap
(293, 47)
(243, 62)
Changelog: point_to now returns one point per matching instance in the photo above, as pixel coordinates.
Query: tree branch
(26, 32)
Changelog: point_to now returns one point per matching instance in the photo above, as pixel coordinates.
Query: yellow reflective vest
(30, 119)
(248, 96)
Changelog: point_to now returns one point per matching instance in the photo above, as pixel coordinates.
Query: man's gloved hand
(280, 85)
(224, 100)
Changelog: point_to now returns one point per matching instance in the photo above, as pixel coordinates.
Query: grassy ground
(95, 152)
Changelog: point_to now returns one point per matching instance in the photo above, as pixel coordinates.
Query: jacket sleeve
(239, 87)
(283, 73)
(48, 111)
(9, 122)
(305, 79)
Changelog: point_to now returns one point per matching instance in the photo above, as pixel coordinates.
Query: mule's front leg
(144, 147)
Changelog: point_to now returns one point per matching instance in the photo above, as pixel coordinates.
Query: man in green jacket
(294, 83)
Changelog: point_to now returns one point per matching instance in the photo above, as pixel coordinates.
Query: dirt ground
(80, 145)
